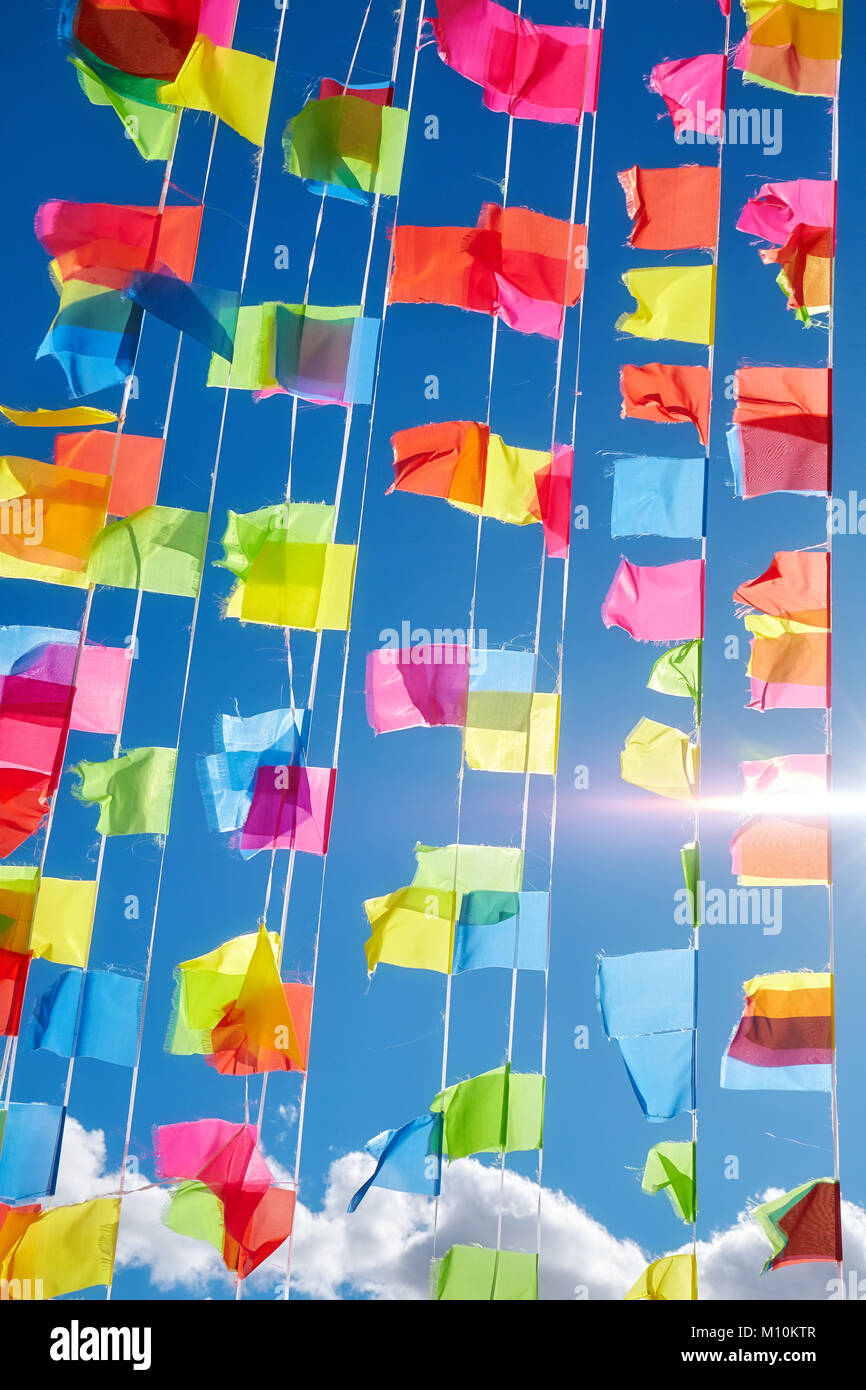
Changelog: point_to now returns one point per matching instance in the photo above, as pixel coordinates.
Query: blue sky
(376, 1046)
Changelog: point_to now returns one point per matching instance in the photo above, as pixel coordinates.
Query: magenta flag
(657, 603)
(692, 91)
(544, 72)
(779, 209)
(417, 687)
(291, 809)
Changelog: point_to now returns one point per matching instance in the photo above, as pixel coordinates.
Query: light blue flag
(658, 497)
(740, 1076)
(649, 992)
(409, 1159)
(18, 642)
(30, 1138)
(102, 1005)
(206, 314)
(661, 1071)
(485, 933)
(495, 669)
(277, 738)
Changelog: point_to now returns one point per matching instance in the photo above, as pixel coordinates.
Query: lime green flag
(355, 145)
(205, 988)
(678, 672)
(289, 572)
(498, 1112)
(469, 1272)
(660, 759)
(150, 128)
(691, 857)
(133, 792)
(670, 1168)
(194, 1210)
(159, 549)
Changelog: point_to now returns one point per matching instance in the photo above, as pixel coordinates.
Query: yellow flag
(262, 1001)
(510, 731)
(677, 302)
(63, 920)
(63, 1250)
(672, 1279)
(297, 585)
(661, 760)
(413, 927)
(236, 87)
(76, 416)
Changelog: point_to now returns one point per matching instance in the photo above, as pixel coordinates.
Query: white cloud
(382, 1251)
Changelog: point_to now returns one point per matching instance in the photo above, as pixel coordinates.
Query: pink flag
(553, 487)
(779, 209)
(793, 774)
(545, 72)
(291, 809)
(657, 603)
(692, 89)
(424, 686)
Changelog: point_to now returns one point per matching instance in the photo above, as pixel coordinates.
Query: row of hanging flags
(102, 525)
(779, 441)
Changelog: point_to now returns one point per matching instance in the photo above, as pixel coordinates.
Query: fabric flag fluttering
(677, 302)
(320, 353)
(673, 209)
(475, 470)
(542, 72)
(671, 1279)
(657, 603)
(799, 218)
(780, 439)
(30, 1139)
(350, 145)
(803, 1226)
(787, 844)
(660, 759)
(60, 1251)
(408, 1159)
(70, 418)
(500, 1112)
(658, 497)
(789, 665)
(792, 46)
(90, 1013)
(667, 394)
(289, 571)
(647, 1004)
(670, 1168)
(785, 1039)
(132, 461)
(515, 264)
(249, 1215)
(133, 792)
(692, 89)
(678, 672)
(472, 1273)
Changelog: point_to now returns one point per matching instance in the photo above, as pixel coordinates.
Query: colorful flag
(678, 672)
(37, 665)
(18, 888)
(235, 87)
(673, 209)
(786, 844)
(660, 759)
(795, 587)
(69, 418)
(291, 808)
(257, 1030)
(347, 145)
(89, 1013)
(780, 440)
(669, 1280)
(667, 394)
(63, 920)
(205, 989)
(789, 665)
(275, 739)
(658, 497)
(289, 573)
(461, 461)
(512, 731)
(158, 549)
(677, 302)
(14, 966)
(414, 926)
(500, 1112)
(150, 128)
(784, 1041)
(61, 1251)
(426, 685)
(198, 311)
(30, 1139)
(134, 462)
(470, 1273)
(502, 931)
(542, 72)
(133, 792)
(23, 805)
(517, 265)
(693, 92)
(408, 1159)
(657, 603)
(648, 992)
(800, 219)
(804, 1225)
(792, 46)
(670, 1168)
(103, 244)
(52, 517)
(322, 354)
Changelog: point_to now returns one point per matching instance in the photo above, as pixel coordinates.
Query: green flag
(159, 549)
(678, 672)
(498, 1112)
(355, 145)
(469, 1272)
(150, 128)
(133, 792)
(670, 1168)
(196, 1211)
(691, 857)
